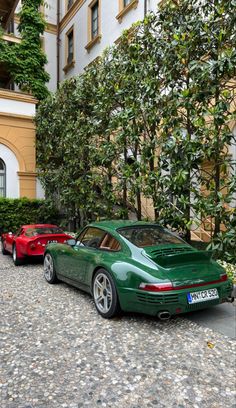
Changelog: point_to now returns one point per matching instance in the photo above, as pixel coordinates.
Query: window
(94, 25)
(94, 20)
(92, 237)
(33, 232)
(2, 179)
(69, 50)
(110, 243)
(97, 238)
(10, 28)
(70, 47)
(152, 235)
(69, 4)
(125, 6)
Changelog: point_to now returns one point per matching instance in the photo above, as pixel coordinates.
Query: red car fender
(8, 241)
(19, 242)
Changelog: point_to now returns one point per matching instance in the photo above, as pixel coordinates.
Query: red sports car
(31, 240)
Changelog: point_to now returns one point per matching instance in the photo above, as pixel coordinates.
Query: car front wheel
(49, 269)
(17, 261)
(105, 294)
(4, 251)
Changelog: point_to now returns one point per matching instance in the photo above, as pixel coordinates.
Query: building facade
(17, 130)
(76, 34)
(79, 30)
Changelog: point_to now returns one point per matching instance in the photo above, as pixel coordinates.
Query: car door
(74, 260)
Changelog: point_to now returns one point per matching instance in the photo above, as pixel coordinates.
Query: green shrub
(17, 212)
(230, 269)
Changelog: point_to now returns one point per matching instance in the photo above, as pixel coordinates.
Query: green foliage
(148, 121)
(26, 61)
(17, 212)
(224, 244)
(230, 269)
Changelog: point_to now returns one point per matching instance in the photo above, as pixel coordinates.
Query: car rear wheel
(17, 261)
(105, 294)
(4, 251)
(49, 269)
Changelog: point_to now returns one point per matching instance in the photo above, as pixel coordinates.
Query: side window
(110, 243)
(19, 232)
(92, 237)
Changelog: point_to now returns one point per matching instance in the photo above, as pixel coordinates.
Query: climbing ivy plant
(26, 60)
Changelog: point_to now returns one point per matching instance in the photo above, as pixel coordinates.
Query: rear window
(144, 236)
(33, 232)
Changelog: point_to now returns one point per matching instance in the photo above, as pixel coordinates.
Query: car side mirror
(71, 242)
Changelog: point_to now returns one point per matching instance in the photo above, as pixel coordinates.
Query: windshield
(151, 235)
(33, 232)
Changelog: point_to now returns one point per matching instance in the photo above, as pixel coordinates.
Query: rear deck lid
(185, 265)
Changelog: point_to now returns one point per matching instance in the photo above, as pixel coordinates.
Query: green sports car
(137, 266)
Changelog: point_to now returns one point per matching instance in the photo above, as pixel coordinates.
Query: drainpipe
(58, 43)
(145, 8)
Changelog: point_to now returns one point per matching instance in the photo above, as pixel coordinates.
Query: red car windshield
(144, 236)
(33, 232)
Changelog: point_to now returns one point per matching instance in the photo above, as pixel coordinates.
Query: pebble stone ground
(56, 352)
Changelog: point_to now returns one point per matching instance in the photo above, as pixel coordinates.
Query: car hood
(184, 265)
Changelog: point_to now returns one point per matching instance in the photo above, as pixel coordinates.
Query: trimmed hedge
(17, 212)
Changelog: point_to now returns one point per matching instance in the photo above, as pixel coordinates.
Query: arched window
(2, 179)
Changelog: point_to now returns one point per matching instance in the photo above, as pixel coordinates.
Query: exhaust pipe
(229, 299)
(164, 315)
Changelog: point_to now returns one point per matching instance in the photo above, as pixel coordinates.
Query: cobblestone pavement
(57, 352)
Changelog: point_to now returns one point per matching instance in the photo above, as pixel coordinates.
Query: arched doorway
(9, 168)
(2, 178)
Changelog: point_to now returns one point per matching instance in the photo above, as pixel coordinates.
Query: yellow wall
(18, 134)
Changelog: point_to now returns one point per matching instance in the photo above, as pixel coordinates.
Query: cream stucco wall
(17, 135)
(111, 30)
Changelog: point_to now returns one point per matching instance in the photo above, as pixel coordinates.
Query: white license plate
(53, 241)
(202, 296)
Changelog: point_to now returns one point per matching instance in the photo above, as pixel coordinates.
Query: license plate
(52, 242)
(202, 296)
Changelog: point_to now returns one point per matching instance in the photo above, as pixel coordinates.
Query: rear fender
(19, 252)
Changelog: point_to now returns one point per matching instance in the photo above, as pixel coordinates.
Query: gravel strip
(56, 351)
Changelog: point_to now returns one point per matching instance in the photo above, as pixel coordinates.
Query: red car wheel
(17, 261)
(4, 251)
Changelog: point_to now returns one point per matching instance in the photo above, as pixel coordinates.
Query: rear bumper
(175, 302)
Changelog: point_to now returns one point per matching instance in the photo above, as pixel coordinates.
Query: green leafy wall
(17, 212)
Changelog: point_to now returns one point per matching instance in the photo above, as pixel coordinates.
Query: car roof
(113, 225)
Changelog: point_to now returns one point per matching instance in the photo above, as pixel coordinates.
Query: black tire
(105, 294)
(49, 269)
(4, 251)
(17, 261)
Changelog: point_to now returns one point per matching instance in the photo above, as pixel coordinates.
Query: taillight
(32, 246)
(223, 277)
(156, 287)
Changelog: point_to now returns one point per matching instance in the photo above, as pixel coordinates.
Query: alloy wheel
(48, 267)
(14, 253)
(102, 293)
